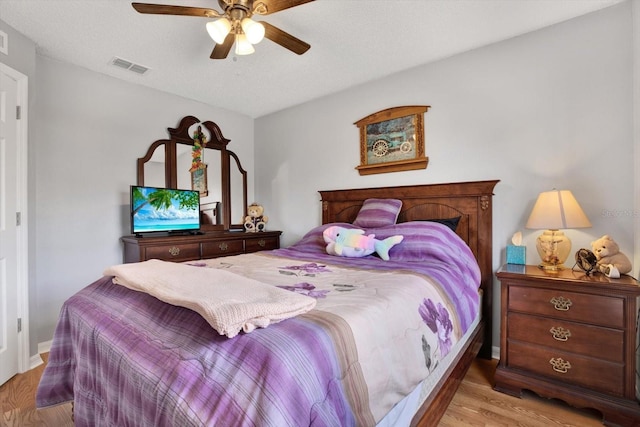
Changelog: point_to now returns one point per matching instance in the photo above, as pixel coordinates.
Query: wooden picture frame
(199, 180)
(392, 140)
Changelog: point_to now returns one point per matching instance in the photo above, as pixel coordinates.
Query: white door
(12, 185)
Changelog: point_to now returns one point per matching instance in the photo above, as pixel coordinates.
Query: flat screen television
(164, 210)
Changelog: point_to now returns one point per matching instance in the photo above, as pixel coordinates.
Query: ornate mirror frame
(180, 135)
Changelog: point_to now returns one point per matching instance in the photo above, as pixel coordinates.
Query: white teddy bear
(611, 262)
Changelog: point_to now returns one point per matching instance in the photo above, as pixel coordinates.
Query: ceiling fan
(235, 25)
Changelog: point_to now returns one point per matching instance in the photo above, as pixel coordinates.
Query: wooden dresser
(202, 246)
(570, 336)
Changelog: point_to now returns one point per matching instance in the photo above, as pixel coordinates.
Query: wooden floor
(18, 403)
(475, 404)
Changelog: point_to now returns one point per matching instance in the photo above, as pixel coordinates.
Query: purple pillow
(423, 241)
(376, 213)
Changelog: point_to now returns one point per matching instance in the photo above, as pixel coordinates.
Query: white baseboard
(44, 347)
(495, 352)
(35, 361)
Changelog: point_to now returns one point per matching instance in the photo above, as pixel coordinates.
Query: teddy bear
(610, 261)
(255, 220)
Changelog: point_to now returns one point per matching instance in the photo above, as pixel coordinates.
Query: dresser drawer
(595, 374)
(587, 340)
(222, 248)
(594, 309)
(177, 252)
(261, 244)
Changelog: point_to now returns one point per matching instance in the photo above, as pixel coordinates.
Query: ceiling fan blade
(163, 9)
(273, 6)
(284, 39)
(220, 51)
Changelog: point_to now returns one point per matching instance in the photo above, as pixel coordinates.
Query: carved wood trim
(217, 141)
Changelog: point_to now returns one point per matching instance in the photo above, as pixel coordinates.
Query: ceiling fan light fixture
(219, 29)
(243, 47)
(234, 25)
(253, 30)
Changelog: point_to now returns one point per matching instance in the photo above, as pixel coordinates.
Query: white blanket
(227, 301)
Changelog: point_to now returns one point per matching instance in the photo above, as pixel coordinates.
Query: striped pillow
(376, 213)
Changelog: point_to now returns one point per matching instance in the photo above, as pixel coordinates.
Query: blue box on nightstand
(516, 254)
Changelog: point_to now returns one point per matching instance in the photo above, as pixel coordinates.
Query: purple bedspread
(128, 359)
(107, 327)
(428, 248)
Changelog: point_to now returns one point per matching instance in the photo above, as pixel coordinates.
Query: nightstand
(570, 336)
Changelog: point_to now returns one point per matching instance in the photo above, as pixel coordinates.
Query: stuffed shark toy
(353, 243)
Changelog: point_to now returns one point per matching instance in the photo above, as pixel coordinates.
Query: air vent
(4, 43)
(128, 65)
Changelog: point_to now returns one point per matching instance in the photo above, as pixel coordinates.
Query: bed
(317, 355)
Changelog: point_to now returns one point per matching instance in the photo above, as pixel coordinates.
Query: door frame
(22, 235)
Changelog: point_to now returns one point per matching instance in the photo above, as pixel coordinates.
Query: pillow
(313, 241)
(376, 213)
(423, 241)
(452, 223)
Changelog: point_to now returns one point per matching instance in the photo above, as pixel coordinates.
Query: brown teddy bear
(255, 220)
(611, 262)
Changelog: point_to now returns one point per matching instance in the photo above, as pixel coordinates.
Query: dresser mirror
(221, 179)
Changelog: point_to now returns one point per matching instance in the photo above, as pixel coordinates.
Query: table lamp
(555, 210)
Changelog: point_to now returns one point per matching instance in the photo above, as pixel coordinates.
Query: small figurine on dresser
(255, 220)
(610, 261)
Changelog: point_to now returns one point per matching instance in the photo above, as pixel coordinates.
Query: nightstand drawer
(178, 252)
(593, 309)
(603, 376)
(222, 248)
(261, 244)
(587, 340)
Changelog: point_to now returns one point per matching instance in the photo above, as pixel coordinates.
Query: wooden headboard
(471, 201)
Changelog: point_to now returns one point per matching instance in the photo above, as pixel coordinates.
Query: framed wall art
(392, 140)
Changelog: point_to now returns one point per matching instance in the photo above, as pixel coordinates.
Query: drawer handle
(262, 243)
(559, 333)
(561, 303)
(223, 246)
(174, 250)
(560, 365)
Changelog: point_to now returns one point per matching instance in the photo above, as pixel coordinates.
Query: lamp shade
(219, 29)
(254, 30)
(243, 47)
(555, 210)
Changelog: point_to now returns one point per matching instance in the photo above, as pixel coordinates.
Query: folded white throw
(227, 301)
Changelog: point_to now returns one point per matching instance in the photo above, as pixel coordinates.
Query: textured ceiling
(352, 42)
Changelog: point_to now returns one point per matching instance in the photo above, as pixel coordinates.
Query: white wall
(550, 109)
(91, 129)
